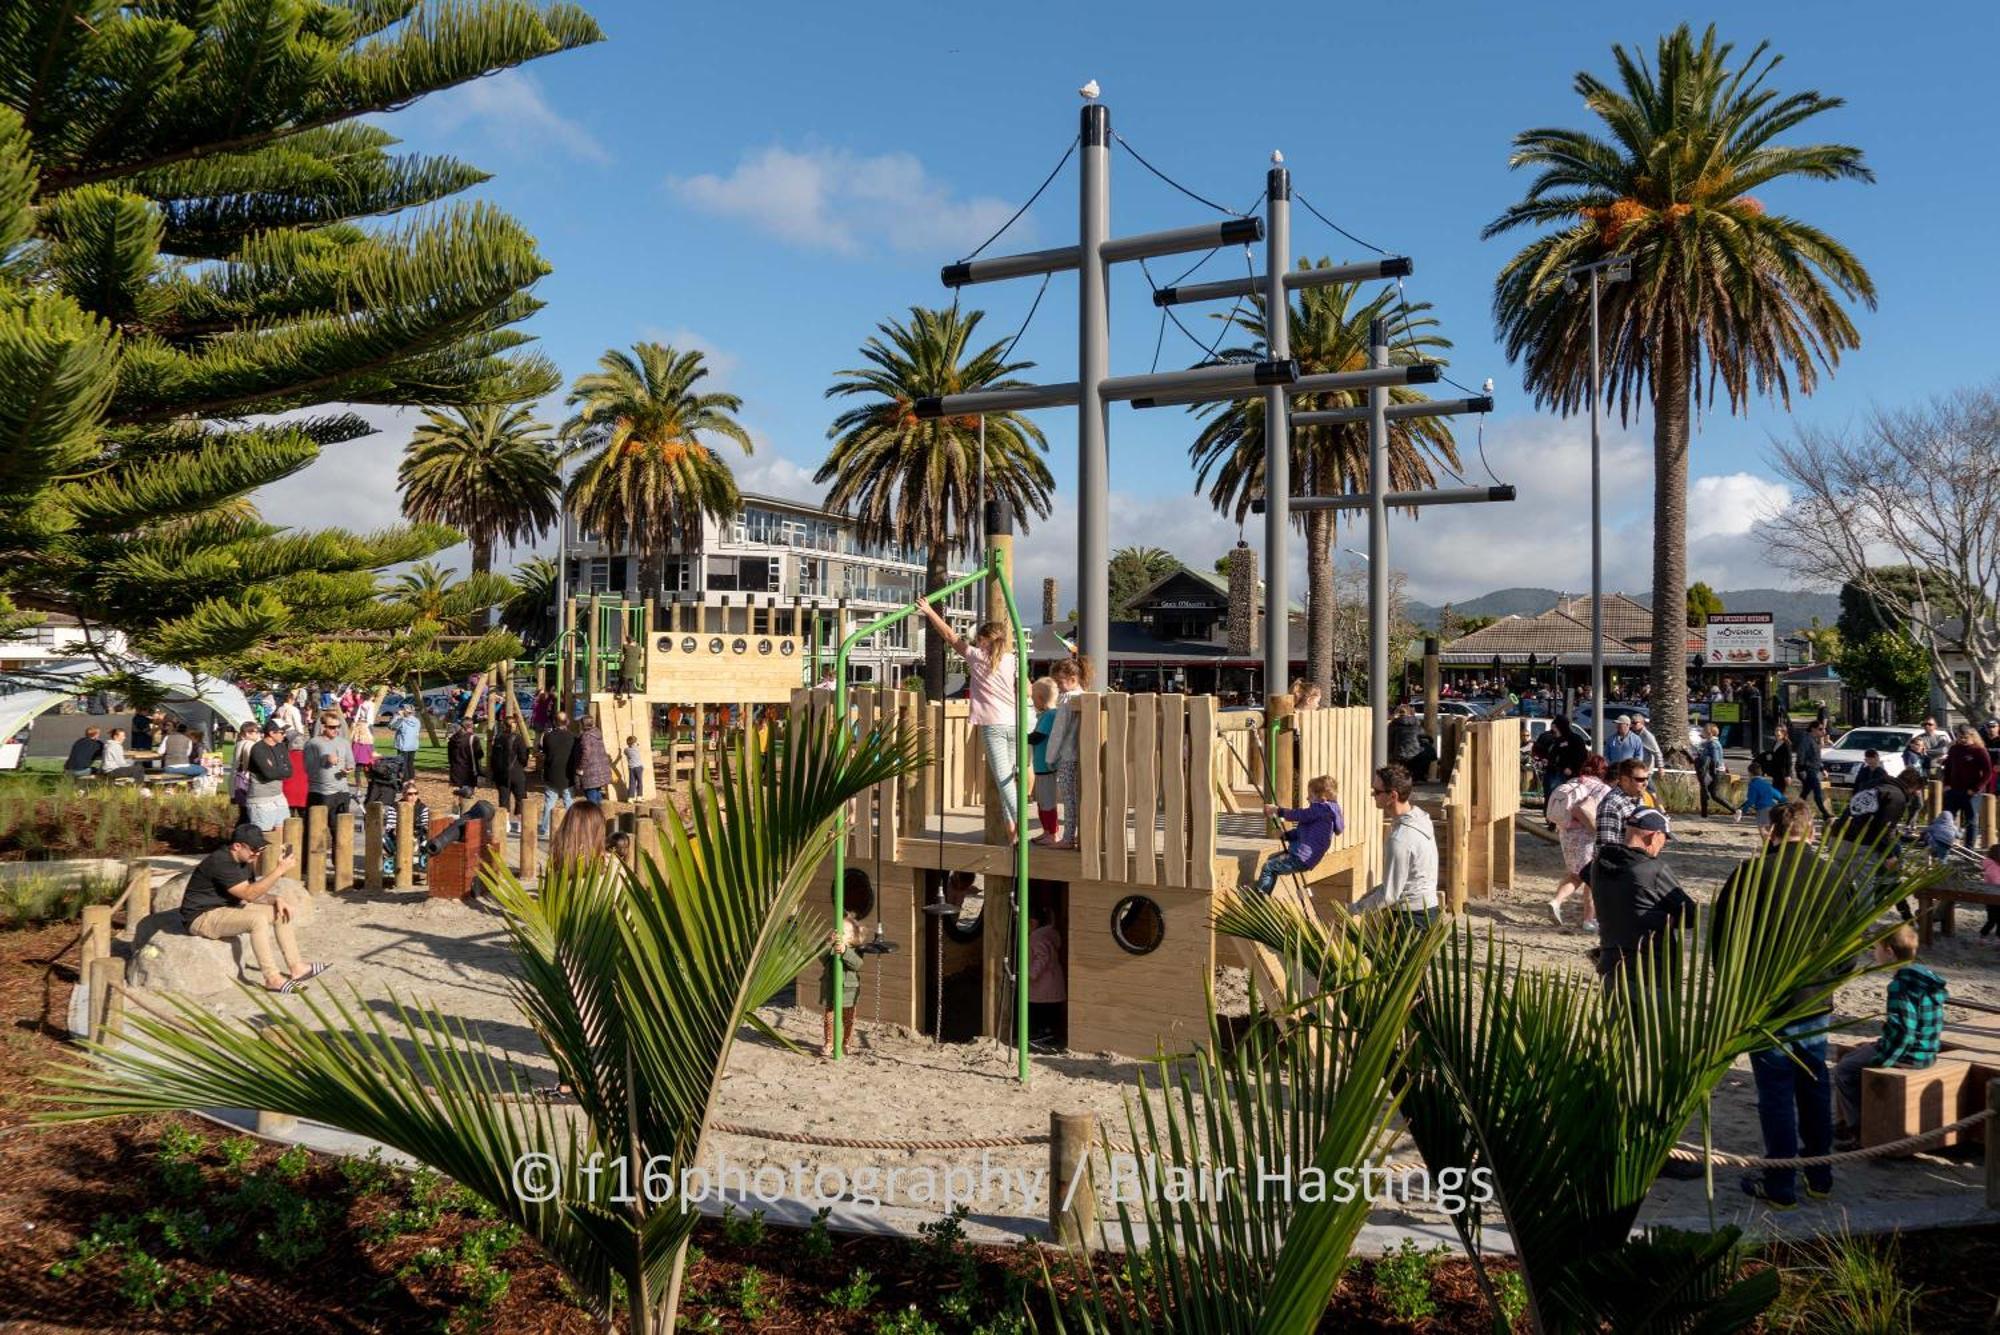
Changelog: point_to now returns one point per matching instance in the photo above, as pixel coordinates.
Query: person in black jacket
(1778, 761)
(507, 762)
(462, 758)
(558, 748)
(1805, 750)
(1637, 895)
(1406, 740)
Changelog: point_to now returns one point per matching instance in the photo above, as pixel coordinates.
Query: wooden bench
(1901, 1101)
(1941, 898)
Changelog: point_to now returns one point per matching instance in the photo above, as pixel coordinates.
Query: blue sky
(768, 181)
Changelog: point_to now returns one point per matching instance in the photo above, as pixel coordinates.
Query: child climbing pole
(991, 670)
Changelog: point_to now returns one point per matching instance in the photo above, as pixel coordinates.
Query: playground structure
(1170, 821)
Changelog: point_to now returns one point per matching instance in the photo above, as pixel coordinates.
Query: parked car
(1842, 757)
(1460, 708)
(1586, 713)
(1533, 728)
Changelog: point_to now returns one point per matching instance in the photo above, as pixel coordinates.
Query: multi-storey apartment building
(780, 553)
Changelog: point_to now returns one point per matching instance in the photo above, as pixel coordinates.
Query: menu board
(1742, 639)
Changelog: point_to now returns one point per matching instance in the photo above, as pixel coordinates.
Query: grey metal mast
(1378, 544)
(1277, 430)
(1093, 336)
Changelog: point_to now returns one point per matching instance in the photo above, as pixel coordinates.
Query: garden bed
(52, 820)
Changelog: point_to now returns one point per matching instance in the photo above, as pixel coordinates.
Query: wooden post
(96, 932)
(293, 836)
(1933, 799)
(104, 976)
(644, 838)
(406, 845)
(268, 855)
(315, 854)
(529, 867)
(138, 896)
(343, 852)
(1072, 1195)
(372, 822)
(1991, 1132)
(1989, 819)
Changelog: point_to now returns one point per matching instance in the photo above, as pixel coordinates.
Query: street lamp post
(1614, 270)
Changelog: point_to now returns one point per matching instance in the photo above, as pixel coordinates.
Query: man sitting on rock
(224, 900)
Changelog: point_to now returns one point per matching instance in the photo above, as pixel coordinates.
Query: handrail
(1021, 780)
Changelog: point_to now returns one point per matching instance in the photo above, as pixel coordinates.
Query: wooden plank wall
(1147, 779)
(1337, 743)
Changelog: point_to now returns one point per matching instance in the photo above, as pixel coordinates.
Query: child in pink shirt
(994, 692)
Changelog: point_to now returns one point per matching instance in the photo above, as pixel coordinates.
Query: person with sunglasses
(1409, 886)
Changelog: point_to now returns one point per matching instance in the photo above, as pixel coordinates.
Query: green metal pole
(839, 973)
(1020, 819)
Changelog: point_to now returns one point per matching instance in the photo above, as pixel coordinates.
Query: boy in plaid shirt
(1912, 1025)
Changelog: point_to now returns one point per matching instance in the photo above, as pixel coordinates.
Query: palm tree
(650, 475)
(916, 482)
(636, 986)
(1329, 333)
(489, 472)
(530, 609)
(1723, 292)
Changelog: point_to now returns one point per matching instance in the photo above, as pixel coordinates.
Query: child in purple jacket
(1314, 828)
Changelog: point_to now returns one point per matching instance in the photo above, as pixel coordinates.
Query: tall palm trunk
(482, 563)
(1670, 473)
(934, 578)
(1319, 601)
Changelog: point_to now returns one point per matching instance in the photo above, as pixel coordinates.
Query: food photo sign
(1742, 638)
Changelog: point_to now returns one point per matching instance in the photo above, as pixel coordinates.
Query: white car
(1448, 707)
(1841, 758)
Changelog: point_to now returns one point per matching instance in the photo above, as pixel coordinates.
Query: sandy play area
(896, 1085)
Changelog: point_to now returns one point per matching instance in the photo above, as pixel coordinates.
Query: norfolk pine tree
(205, 256)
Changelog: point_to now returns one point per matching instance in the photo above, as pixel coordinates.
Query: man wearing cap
(223, 900)
(1623, 743)
(1637, 896)
(270, 765)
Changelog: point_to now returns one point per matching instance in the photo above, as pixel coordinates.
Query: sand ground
(897, 1085)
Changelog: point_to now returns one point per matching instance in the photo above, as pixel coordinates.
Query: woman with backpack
(1573, 810)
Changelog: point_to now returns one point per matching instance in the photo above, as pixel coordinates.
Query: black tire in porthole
(1138, 925)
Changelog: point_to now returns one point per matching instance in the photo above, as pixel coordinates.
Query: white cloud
(835, 199)
(771, 474)
(1732, 504)
(511, 113)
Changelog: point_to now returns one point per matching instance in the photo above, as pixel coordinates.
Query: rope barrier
(1887, 1149)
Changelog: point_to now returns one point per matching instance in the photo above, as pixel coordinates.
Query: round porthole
(740, 646)
(785, 648)
(1138, 925)
(764, 648)
(715, 645)
(666, 644)
(688, 644)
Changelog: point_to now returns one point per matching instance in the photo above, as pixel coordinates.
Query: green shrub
(1403, 1282)
(1846, 1285)
(39, 897)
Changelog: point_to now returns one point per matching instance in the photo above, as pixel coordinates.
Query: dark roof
(1131, 643)
(1219, 584)
(1561, 636)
